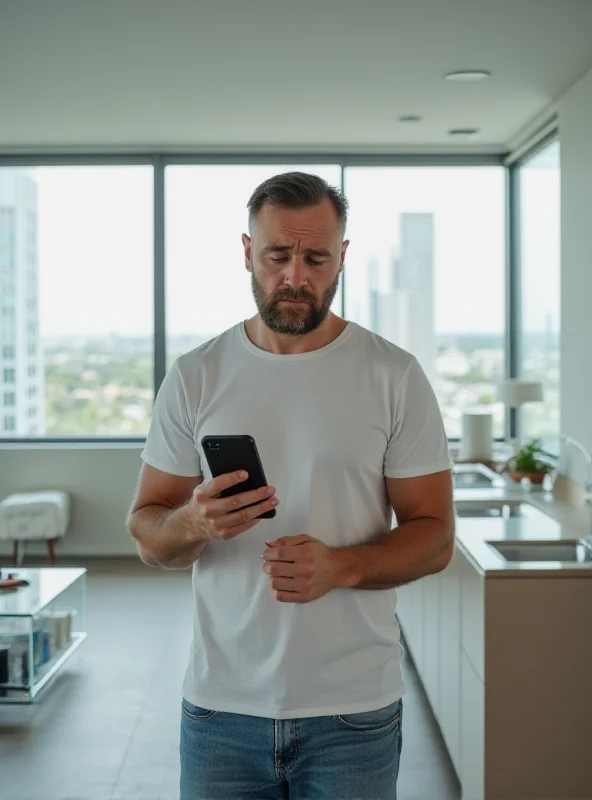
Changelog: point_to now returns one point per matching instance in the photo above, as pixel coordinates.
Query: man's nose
(295, 273)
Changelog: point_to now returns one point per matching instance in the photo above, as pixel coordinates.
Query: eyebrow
(287, 248)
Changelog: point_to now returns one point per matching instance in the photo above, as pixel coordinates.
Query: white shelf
(28, 694)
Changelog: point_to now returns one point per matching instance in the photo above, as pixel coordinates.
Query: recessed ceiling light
(467, 75)
(464, 133)
(410, 118)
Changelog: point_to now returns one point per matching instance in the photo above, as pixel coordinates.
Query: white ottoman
(26, 516)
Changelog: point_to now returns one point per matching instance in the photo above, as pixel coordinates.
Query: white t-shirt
(329, 426)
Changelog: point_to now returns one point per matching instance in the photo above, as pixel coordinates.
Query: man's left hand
(301, 568)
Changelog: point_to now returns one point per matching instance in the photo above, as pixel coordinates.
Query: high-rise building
(404, 313)
(22, 404)
(374, 294)
(414, 285)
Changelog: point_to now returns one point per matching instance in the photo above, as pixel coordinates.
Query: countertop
(541, 518)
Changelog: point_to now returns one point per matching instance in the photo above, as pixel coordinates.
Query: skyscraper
(404, 313)
(414, 286)
(21, 376)
(374, 298)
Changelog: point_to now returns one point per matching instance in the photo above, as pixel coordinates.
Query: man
(294, 684)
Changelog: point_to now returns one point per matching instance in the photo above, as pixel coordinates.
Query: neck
(285, 344)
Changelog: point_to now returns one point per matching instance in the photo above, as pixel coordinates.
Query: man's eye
(315, 263)
(281, 260)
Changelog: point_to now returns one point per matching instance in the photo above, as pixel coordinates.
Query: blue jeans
(238, 757)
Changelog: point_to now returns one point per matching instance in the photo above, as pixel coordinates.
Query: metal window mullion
(159, 275)
(343, 275)
(513, 290)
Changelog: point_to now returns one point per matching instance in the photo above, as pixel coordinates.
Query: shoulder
(194, 361)
(381, 354)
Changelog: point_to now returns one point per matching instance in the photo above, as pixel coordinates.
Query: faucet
(588, 458)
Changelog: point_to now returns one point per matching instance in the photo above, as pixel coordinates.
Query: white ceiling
(281, 74)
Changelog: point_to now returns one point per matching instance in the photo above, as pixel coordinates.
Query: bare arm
(422, 543)
(172, 517)
(158, 519)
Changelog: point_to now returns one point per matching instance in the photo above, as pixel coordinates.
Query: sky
(96, 239)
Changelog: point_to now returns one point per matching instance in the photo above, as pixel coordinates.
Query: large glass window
(207, 287)
(76, 248)
(539, 192)
(426, 270)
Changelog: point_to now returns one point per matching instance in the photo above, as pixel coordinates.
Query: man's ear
(248, 251)
(344, 247)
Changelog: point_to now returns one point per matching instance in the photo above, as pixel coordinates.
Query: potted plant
(525, 464)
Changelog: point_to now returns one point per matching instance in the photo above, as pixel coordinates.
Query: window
(540, 273)
(208, 289)
(426, 270)
(82, 237)
(9, 399)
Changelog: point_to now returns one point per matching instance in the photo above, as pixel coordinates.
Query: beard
(291, 320)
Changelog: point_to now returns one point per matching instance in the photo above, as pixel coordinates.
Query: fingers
(217, 485)
(227, 505)
(226, 517)
(244, 516)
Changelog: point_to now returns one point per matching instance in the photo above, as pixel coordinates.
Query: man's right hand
(221, 518)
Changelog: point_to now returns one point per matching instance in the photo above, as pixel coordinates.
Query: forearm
(414, 549)
(166, 537)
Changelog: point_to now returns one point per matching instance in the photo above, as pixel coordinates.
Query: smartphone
(231, 453)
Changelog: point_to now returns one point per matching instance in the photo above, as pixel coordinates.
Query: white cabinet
(472, 727)
(410, 613)
(473, 615)
(449, 693)
(439, 615)
(431, 640)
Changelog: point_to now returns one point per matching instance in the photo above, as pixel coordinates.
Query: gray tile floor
(107, 728)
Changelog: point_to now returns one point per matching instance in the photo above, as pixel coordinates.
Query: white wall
(575, 133)
(102, 482)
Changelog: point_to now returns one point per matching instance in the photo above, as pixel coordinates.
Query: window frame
(514, 349)
(159, 161)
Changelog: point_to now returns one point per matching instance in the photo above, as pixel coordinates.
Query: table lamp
(515, 392)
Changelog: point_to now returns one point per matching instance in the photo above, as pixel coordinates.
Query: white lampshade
(515, 392)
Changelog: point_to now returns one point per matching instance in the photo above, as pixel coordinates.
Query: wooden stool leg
(51, 551)
(17, 553)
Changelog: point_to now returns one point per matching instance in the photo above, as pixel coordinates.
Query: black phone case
(231, 453)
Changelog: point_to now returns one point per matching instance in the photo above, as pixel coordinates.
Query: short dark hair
(296, 190)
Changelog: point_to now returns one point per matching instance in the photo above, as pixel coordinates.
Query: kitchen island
(504, 650)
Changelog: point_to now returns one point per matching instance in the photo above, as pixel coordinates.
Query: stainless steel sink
(475, 476)
(480, 511)
(500, 509)
(573, 551)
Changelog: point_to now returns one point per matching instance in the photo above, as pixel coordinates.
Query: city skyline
(95, 239)
(77, 297)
